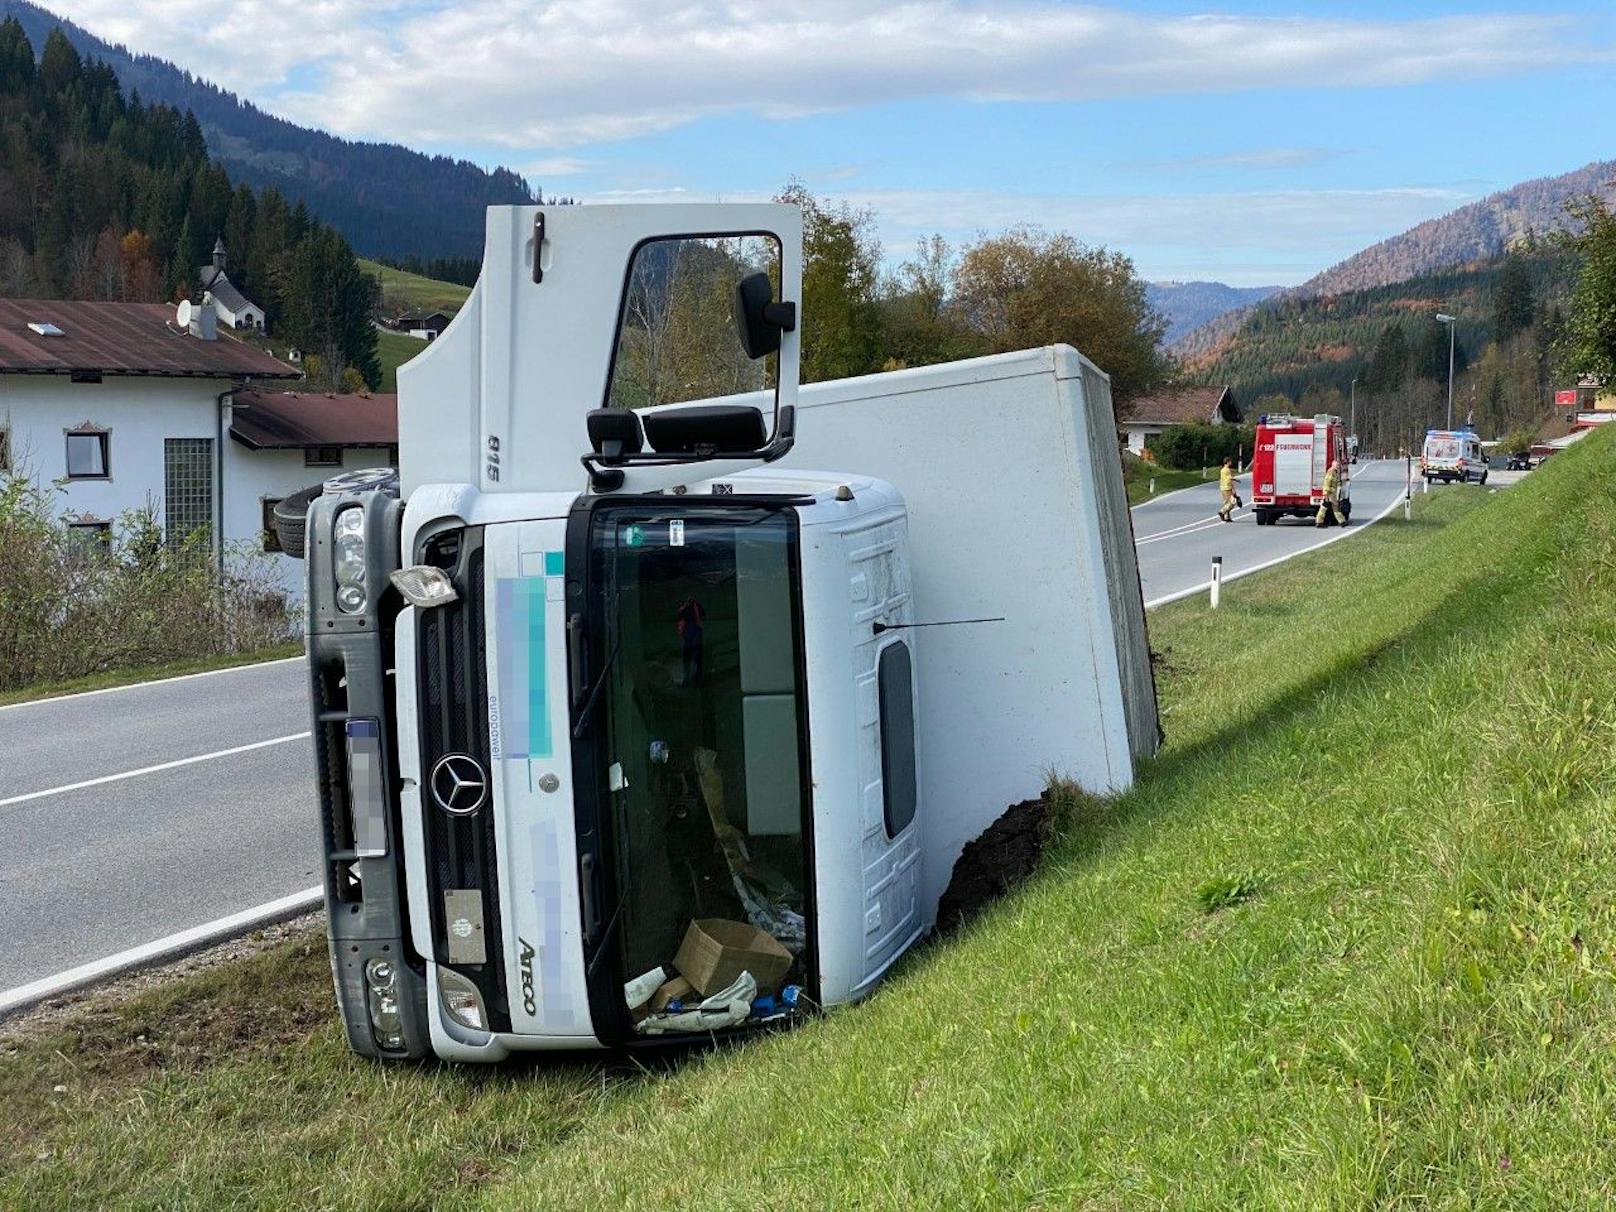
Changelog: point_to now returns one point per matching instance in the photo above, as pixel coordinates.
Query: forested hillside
(1305, 352)
(1478, 232)
(387, 200)
(106, 197)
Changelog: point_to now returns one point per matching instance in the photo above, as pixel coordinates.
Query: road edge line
(178, 677)
(1344, 533)
(162, 950)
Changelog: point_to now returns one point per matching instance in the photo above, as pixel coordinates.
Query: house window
(89, 538)
(897, 706)
(322, 456)
(187, 487)
(5, 450)
(266, 520)
(84, 376)
(87, 454)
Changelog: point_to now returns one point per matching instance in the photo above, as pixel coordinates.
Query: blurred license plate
(367, 788)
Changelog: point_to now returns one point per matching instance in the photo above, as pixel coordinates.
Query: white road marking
(131, 774)
(1179, 532)
(168, 947)
(1344, 532)
(181, 677)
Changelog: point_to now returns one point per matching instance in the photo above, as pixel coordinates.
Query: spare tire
(291, 516)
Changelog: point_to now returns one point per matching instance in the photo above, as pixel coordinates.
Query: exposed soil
(1002, 858)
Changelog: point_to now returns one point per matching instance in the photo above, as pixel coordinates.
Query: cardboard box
(678, 988)
(716, 951)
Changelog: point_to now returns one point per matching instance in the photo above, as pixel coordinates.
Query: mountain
(1188, 305)
(1473, 233)
(387, 200)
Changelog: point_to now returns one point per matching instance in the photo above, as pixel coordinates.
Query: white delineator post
(1152, 485)
(1217, 580)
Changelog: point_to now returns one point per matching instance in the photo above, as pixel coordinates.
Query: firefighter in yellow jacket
(1331, 505)
(1229, 502)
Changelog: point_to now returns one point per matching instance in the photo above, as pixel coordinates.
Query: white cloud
(559, 73)
(557, 166)
(1257, 159)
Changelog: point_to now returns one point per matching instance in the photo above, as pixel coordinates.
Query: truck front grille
(453, 689)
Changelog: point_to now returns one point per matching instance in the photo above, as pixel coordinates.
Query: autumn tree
(1588, 344)
(1031, 287)
(841, 278)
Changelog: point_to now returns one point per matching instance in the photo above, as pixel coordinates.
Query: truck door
(884, 671)
(579, 307)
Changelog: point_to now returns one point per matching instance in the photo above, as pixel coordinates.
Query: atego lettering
(526, 963)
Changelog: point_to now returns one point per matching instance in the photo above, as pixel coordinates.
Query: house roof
(215, 282)
(121, 339)
(1181, 406)
(284, 420)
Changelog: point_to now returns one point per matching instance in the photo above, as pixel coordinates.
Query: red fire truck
(1289, 462)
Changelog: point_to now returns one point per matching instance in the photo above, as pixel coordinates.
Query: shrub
(70, 607)
(1190, 447)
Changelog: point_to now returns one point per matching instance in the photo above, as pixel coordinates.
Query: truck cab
(563, 731)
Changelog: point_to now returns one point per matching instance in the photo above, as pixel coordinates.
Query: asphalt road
(1178, 533)
(131, 814)
(88, 871)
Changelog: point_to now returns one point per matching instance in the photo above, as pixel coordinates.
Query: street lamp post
(1444, 318)
(1352, 389)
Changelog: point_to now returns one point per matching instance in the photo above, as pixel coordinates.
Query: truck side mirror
(759, 320)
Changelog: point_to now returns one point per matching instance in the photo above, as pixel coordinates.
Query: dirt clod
(1004, 856)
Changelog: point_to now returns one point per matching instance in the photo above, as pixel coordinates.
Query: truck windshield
(697, 724)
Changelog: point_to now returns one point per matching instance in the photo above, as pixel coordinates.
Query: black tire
(1483, 479)
(291, 517)
(1346, 510)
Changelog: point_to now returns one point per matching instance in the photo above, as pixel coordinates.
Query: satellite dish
(182, 314)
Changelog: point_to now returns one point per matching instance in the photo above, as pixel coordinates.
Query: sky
(1250, 143)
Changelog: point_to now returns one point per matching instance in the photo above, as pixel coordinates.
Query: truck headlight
(461, 1000)
(348, 561)
(381, 985)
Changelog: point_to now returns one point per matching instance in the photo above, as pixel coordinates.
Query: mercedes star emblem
(459, 783)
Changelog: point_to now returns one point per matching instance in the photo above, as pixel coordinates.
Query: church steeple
(218, 254)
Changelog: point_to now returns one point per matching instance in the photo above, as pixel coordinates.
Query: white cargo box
(1010, 470)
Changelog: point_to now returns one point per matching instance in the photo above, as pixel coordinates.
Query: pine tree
(1513, 299)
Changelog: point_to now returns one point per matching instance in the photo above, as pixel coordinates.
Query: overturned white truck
(638, 719)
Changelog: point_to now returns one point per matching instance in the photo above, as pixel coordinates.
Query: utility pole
(1352, 389)
(1444, 318)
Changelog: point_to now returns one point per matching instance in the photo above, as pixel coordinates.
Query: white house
(1143, 418)
(125, 410)
(234, 308)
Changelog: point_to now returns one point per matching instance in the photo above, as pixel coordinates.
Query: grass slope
(1350, 941)
(394, 349)
(415, 291)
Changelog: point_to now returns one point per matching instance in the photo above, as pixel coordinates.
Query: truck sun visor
(731, 428)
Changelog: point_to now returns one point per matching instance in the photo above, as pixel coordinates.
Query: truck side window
(897, 705)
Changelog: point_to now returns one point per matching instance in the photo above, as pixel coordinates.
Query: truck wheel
(290, 515)
(1483, 477)
(1346, 511)
(1261, 515)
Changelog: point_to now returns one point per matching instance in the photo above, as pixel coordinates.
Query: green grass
(416, 292)
(1137, 475)
(147, 673)
(394, 349)
(1350, 942)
